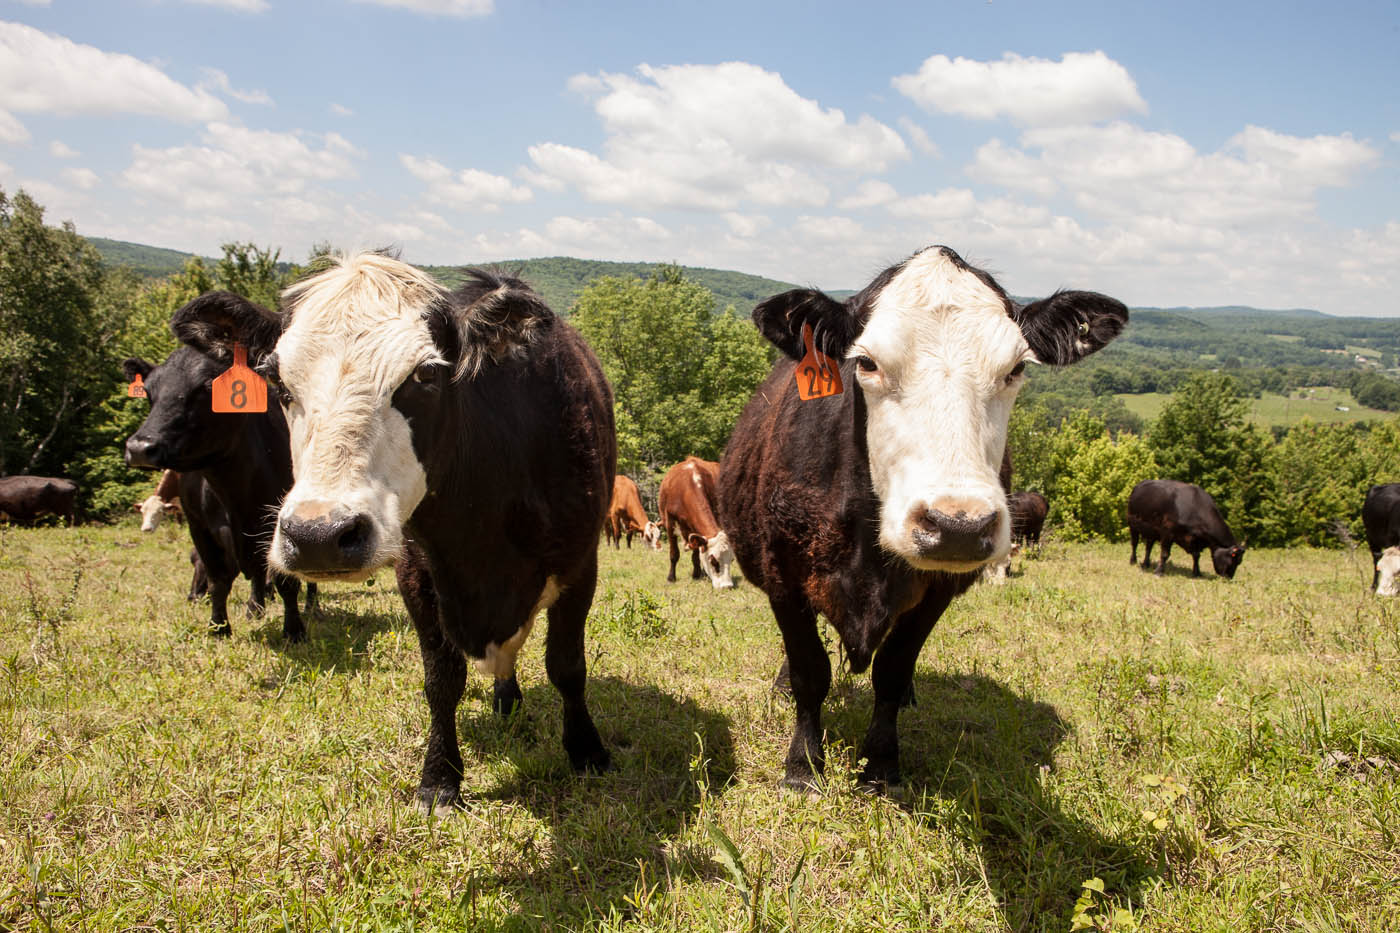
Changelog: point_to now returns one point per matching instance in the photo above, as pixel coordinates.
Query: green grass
(1219, 755)
(1318, 403)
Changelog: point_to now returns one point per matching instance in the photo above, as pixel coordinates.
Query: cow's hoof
(438, 801)
(254, 610)
(593, 761)
(801, 782)
(295, 635)
(506, 696)
(221, 631)
(1159, 572)
(880, 778)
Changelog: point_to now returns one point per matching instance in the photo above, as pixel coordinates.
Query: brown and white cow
(627, 517)
(687, 503)
(164, 501)
(876, 506)
(466, 436)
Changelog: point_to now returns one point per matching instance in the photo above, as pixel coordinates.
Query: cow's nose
(956, 537)
(144, 453)
(332, 543)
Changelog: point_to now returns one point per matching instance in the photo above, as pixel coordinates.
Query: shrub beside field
(1093, 747)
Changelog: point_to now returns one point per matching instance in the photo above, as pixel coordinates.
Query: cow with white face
(466, 436)
(1387, 569)
(876, 504)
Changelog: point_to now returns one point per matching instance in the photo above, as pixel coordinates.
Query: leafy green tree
(56, 331)
(1203, 436)
(1093, 489)
(680, 372)
(1321, 475)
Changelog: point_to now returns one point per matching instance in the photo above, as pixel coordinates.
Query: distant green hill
(561, 279)
(151, 262)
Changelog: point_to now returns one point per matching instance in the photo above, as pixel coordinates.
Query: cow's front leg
(1196, 564)
(675, 554)
(1147, 543)
(1133, 537)
(567, 667)
(892, 677)
(695, 572)
(1162, 561)
(809, 675)
(289, 589)
(444, 682)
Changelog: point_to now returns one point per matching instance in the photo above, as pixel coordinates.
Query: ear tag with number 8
(239, 389)
(137, 388)
(818, 375)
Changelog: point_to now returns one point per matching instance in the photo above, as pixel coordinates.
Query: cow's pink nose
(957, 537)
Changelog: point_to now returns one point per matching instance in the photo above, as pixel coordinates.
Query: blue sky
(1188, 153)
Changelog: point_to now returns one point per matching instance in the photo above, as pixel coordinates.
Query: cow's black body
(1173, 512)
(1380, 513)
(1028, 511)
(25, 498)
(243, 458)
(520, 461)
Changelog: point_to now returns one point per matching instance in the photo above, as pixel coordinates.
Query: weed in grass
(47, 618)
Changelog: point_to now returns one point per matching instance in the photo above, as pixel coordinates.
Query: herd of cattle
(466, 437)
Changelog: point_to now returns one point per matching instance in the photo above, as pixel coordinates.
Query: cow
(25, 498)
(626, 516)
(164, 501)
(687, 506)
(878, 504)
(1028, 511)
(467, 437)
(242, 457)
(1380, 513)
(1386, 570)
(1173, 512)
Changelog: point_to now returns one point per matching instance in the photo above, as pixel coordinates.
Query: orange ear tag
(818, 375)
(239, 389)
(137, 388)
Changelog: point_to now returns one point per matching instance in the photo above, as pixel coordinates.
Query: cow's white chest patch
(499, 661)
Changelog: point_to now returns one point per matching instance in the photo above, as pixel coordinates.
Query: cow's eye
(866, 365)
(426, 373)
(1016, 371)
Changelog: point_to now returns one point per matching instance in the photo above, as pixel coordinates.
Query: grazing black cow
(466, 435)
(1380, 513)
(1173, 512)
(243, 459)
(25, 498)
(875, 506)
(1028, 511)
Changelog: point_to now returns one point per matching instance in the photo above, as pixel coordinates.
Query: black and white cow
(467, 436)
(878, 505)
(242, 458)
(1380, 514)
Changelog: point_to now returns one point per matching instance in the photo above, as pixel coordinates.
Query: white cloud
(340, 110)
(61, 150)
(235, 164)
(217, 80)
(45, 73)
(747, 226)
(84, 179)
(35, 2)
(713, 137)
(469, 187)
(459, 8)
(870, 193)
(1082, 87)
(920, 137)
(948, 204)
(240, 6)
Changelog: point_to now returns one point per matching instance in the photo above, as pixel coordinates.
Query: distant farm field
(1320, 403)
(1147, 753)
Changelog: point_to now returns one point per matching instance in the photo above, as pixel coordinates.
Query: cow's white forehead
(362, 321)
(930, 292)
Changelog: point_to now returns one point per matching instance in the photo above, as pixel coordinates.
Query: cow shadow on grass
(339, 632)
(972, 742)
(608, 833)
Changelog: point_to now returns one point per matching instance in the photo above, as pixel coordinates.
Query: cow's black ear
(780, 319)
(214, 321)
(1068, 326)
(134, 366)
(495, 317)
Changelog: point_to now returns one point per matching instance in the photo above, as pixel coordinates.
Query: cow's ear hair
(134, 366)
(781, 317)
(495, 317)
(214, 321)
(696, 542)
(1068, 326)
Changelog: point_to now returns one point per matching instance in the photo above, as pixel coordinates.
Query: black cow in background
(1028, 511)
(243, 460)
(25, 498)
(1380, 513)
(1174, 512)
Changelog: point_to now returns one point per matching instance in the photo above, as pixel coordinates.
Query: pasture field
(1093, 747)
(1318, 403)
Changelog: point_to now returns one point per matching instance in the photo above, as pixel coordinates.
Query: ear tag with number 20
(137, 388)
(239, 389)
(818, 375)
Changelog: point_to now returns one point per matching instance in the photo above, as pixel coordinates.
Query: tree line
(682, 367)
